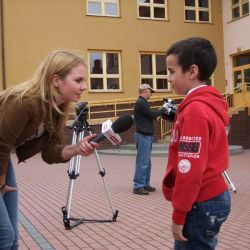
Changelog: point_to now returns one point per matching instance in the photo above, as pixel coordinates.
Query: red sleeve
(191, 164)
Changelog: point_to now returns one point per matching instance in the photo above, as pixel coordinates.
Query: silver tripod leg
(102, 173)
(232, 187)
(73, 171)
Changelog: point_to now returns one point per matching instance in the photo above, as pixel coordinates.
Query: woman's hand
(85, 147)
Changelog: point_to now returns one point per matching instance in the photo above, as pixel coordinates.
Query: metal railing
(100, 111)
(238, 97)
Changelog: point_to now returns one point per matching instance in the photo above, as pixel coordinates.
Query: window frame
(104, 75)
(151, 5)
(239, 5)
(242, 85)
(211, 78)
(117, 2)
(154, 76)
(196, 8)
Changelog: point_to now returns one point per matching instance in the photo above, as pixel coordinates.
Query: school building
(124, 44)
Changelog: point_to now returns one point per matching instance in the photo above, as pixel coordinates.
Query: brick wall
(239, 133)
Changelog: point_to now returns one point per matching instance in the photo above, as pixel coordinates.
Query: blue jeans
(9, 214)
(143, 160)
(203, 223)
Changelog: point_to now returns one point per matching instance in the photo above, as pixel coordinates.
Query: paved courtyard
(143, 222)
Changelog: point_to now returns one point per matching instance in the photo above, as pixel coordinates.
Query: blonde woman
(33, 115)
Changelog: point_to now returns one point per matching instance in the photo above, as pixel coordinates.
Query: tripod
(79, 126)
(231, 185)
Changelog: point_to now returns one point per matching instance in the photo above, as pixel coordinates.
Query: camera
(170, 114)
(81, 115)
(82, 111)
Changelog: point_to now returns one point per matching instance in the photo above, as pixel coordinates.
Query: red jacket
(198, 152)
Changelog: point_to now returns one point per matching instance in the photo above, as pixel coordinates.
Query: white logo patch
(184, 166)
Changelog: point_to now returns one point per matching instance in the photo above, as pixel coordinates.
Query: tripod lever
(231, 185)
(102, 172)
(73, 175)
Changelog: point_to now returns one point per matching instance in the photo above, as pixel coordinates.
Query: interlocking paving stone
(38, 238)
(144, 222)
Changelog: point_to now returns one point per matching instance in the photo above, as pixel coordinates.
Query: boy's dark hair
(198, 51)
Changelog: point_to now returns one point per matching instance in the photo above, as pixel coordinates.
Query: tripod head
(81, 122)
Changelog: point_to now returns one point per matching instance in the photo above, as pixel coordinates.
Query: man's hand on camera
(167, 107)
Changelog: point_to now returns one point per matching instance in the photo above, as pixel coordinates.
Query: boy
(198, 152)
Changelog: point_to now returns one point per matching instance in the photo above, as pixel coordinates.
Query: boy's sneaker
(150, 189)
(140, 191)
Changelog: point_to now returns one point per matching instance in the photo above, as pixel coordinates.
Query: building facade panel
(33, 29)
(236, 40)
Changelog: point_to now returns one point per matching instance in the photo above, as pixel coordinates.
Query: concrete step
(235, 149)
(158, 149)
(156, 146)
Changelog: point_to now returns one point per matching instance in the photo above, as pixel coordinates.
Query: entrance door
(247, 78)
(242, 78)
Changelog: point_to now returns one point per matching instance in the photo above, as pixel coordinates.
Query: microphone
(120, 125)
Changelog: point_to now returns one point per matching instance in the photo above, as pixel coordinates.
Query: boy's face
(179, 80)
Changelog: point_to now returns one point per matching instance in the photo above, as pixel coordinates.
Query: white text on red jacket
(189, 146)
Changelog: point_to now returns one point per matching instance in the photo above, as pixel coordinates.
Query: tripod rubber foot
(115, 215)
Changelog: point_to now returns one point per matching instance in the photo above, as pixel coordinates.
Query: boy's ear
(194, 71)
(56, 80)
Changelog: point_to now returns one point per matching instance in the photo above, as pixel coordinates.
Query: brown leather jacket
(19, 121)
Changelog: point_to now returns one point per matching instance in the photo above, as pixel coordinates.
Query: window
(241, 72)
(104, 71)
(152, 9)
(240, 8)
(103, 7)
(198, 11)
(153, 71)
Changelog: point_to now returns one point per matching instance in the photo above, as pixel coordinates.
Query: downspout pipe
(2, 43)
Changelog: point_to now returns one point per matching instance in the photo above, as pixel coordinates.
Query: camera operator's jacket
(144, 116)
(198, 152)
(19, 122)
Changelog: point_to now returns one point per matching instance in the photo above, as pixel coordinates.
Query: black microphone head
(122, 124)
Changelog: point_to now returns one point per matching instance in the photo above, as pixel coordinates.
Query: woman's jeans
(203, 223)
(143, 160)
(9, 214)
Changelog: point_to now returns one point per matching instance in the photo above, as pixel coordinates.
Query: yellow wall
(33, 28)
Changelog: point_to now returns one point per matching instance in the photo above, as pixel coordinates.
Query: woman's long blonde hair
(59, 62)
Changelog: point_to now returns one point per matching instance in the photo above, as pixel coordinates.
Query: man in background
(144, 125)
